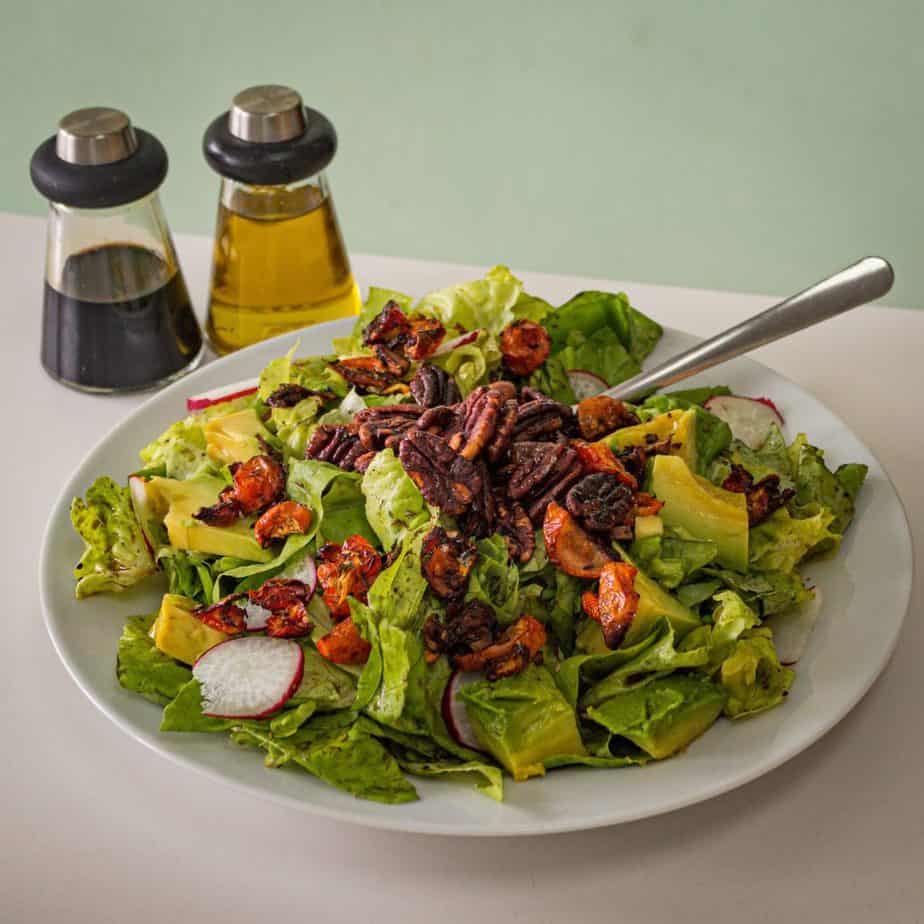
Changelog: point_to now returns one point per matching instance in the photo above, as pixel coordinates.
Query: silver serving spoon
(864, 281)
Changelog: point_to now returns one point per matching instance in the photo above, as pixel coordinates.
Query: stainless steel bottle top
(94, 136)
(267, 114)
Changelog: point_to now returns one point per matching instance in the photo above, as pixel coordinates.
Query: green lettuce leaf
(657, 659)
(601, 353)
(143, 668)
(767, 592)
(184, 713)
(771, 459)
(817, 487)
(397, 593)
(334, 497)
(712, 435)
(312, 372)
(730, 620)
(753, 676)
(495, 579)
(323, 683)
(243, 577)
(781, 542)
(179, 452)
(551, 378)
(350, 757)
(486, 778)
(671, 560)
(188, 573)
(394, 504)
(468, 364)
(293, 426)
(116, 555)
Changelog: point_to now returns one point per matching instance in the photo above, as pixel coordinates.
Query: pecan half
(514, 525)
(525, 346)
(225, 616)
(467, 628)
(391, 361)
(365, 373)
(543, 419)
(519, 646)
(601, 502)
(446, 559)
(432, 386)
(484, 411)
(763, 497)
(338, 445)
(601, 415)
(284, 519)
(540, 473)
(384, 427)
(445, 478)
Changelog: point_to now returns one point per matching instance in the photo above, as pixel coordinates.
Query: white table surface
(94, 827)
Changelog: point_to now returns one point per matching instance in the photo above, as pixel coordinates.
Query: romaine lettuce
(116, 555)
(179, 452)
(142, 668)
(753, 676)
(394, 504)
(781, 542)
(495, 579)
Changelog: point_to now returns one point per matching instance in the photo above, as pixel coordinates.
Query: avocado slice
(701, 509)
(646, 527)
(680, 426)
(233, 437)
(522, 720)
(177, 632)
(177, 501)
(664, 716)
(653, 603)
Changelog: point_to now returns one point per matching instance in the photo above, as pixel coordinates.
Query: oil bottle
(279, 260)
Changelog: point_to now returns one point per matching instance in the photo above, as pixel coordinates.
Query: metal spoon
(864, 281)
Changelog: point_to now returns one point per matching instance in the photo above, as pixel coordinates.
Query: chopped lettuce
(711, 435)
(781, 542)
(116, 555)
(468, 364)
(551, 378)
(243, 577)
(397, 593)
(188, 573)
(312, 372)
(753, 677)
(601, 353)
(142, 668)
(179, 452)
(486, 778)
(293, 426)
(495, 579)
(672, 560)
(768, 592)
(394, 504)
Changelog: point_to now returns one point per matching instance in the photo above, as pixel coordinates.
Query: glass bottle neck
(274, 203)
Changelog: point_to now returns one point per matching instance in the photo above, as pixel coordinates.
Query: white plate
(866, 591)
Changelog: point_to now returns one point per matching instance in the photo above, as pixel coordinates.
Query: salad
(439, 551)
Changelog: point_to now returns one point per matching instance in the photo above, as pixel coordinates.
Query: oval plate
(865, 589)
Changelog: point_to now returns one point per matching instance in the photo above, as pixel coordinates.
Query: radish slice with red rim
(447, 346)
(750, 419)
(793, 628)
(586, 384)
(222, 394)
(142, 507)
(249, 677)
(454, 713)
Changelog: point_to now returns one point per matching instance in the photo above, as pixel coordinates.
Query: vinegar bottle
(279, 260)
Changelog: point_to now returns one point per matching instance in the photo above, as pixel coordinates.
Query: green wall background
(749, 145)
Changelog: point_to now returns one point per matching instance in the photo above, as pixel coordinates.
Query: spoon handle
(862, 282)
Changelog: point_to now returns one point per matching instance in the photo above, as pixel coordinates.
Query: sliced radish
(303, 570)
(257, 616)
(793, 627)
(750, 419)
(138, 491)
(447, 346)
(772, 405)
(222, 394)
(454, 713)
(249, 677)
(586, 384)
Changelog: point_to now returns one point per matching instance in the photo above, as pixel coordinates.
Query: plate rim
(401, 823)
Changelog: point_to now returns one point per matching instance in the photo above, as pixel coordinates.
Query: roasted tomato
(426, 334)
(284, 519)
(225, 616)
(257, 483)
(617, 601)
(598, 457)
(224, 513)
(278, 594)
(347, 571)
(590, 605)
(290, 623)
(389, 327)
(367, 373)
(525, 347)
(646, 505)
(344, 645)
(601, 414)
(569, 547)
(519, 646)
(445, 561)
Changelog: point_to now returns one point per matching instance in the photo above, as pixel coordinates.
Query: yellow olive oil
(279, 264)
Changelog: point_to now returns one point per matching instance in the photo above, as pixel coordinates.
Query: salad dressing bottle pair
(117, 314)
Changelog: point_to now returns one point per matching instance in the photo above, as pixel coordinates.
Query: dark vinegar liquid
(119, 319)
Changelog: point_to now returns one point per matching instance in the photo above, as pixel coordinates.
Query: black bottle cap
(269, 138)
(98, 160)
